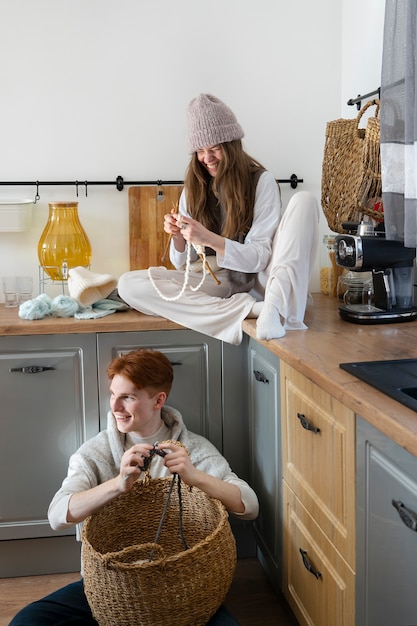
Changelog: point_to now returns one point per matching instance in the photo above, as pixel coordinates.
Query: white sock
(268, 325)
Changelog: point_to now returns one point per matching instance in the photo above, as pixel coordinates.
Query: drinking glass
(10, 291)
(24, 288)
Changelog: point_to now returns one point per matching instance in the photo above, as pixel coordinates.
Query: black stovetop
(396, 378)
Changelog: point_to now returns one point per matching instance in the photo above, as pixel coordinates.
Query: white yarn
(200, 251)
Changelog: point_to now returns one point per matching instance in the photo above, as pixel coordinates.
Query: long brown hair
(234, 187)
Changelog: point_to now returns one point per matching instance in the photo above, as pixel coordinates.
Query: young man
(109, 463)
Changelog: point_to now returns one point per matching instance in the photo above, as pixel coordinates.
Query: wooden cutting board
(147, 239)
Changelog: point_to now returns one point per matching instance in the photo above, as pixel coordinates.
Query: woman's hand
(192, 231)
(172, 225)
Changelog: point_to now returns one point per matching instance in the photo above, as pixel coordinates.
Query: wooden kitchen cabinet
(265, 456)
(48, 388)
(318, 466)
(319, 584)
(386, 530)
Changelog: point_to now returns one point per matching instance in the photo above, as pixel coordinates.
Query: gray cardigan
(98, 460)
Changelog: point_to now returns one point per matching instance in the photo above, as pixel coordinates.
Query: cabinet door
(386, 531)
(197, 387)
(319, 584)
(49, 399)
(265, 454)
(318, 457)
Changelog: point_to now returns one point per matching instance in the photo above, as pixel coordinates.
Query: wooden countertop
(329, 341)
(11, 324)
(316, 353)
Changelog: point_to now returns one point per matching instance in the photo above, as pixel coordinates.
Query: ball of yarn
(36, 309)
(64, 306)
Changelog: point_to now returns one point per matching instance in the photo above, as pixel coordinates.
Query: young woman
(230, 207)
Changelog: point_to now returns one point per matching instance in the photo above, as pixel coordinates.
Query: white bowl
(15, 215)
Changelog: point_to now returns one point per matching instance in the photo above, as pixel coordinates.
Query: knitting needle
(173, 211)
(212, 274)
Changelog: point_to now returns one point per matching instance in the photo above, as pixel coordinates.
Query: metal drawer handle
(308, 565)
(306, 424)
(260, 377)
(31, 369)
(407, 516)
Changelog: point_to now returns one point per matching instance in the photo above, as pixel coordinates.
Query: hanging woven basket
(177, 587)
(351, 183)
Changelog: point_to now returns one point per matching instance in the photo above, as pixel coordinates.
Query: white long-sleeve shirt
(254, 254)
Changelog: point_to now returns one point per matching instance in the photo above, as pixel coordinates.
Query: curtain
(398, 117)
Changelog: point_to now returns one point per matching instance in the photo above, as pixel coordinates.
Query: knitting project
(201, 253)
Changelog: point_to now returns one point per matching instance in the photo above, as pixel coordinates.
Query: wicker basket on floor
(178, 587)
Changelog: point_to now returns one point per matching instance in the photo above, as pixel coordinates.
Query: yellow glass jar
(64, 243)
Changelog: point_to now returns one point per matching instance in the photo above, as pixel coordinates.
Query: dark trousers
(69, 607)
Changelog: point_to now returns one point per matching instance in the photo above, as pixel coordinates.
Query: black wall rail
(358, 100)
(119, 183)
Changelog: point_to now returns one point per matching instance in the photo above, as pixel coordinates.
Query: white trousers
(287, 277)
(208, 310)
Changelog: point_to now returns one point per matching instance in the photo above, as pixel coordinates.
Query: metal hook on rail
(119, 183)
(37, 196)
(160, 194)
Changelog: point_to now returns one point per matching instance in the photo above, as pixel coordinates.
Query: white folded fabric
(87, 287)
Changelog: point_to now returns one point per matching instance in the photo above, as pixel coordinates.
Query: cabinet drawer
(325, 593)
(318, 454)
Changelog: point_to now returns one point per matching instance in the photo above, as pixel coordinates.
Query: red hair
(145, 368)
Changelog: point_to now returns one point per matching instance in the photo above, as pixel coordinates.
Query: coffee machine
(392, 268)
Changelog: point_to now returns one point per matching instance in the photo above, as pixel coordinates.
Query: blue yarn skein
(36, 309)
(64, 306)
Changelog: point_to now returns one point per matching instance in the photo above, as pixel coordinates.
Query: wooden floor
(251, 599)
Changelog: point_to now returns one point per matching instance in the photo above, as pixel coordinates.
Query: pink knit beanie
(210, 122)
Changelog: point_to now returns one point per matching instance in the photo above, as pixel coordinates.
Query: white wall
(363, 26)
(96, 88)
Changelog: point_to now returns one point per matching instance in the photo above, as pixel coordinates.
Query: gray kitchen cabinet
(48, 388)
(55, 395)
(386, 531)
(197, 387)
(265, 456)
(209, 390)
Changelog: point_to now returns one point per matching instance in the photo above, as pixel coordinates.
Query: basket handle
(175, 477)
(132, 556)
(366, 106)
